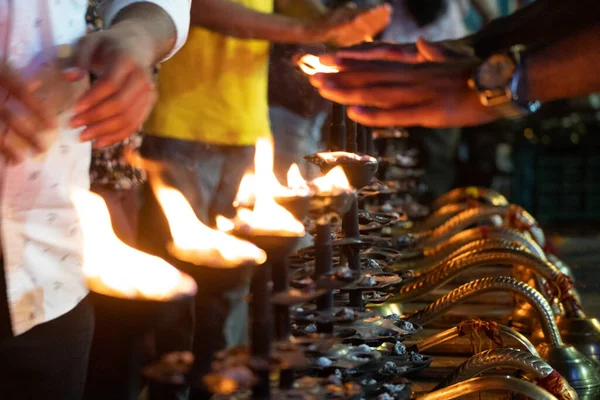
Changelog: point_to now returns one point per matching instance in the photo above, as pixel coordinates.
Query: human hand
(386, 93)
(122, 97)
(421, 51)
(24, 117)
(348, 25)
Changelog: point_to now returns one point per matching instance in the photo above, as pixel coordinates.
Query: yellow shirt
(214, 90)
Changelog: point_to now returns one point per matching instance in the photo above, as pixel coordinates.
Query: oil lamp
(332, 197)
(359, 169)
(274, 229)
(134, 291)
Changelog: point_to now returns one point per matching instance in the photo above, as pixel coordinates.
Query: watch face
(496, 72)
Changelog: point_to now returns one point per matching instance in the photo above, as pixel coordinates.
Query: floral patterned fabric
(109, 166)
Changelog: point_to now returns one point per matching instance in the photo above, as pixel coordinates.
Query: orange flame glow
(245, 194)
(311, 64)
(267, 217)
(333, 156)
(335, 181)
(196, 243)
(295, 180)
(114, 269)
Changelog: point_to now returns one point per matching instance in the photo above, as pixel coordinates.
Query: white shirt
(404, 29)
(40, 233)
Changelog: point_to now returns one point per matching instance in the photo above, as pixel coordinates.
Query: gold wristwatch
(500, 83)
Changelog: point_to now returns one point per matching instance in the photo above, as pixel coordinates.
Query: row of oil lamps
(143, 287)
(142, 290)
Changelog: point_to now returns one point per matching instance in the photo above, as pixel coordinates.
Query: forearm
(543, 21)
(233, 19)
(154, 21)
(163, 24)
(300, 8)
(565, 69)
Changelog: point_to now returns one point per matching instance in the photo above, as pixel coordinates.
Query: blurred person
(50, 116)
(296, 111)
(212, 108)
(474, 80)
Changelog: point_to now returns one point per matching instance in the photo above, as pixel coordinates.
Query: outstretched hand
(122, 97)
(349, 25)
(22, 115)
(421, 51)
(426, 85)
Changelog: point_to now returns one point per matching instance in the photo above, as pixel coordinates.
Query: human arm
(233, 19)
(543, 21)
(565, 69)
(384, 93)
(139, 34)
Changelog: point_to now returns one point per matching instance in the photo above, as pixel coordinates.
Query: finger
(359, 79)
(418, 115)
(137, 84)
(440, 52)
(350, 64)
(113, 138)
(22, 128)
(107, 127)
(73, 74)
(87, 50)
(10, 152)
(13, 84)
(126, 122)
(109, 83)
(388, 52)
(384, 95)
(374, 20)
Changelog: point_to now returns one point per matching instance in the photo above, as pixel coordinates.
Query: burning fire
(267, 217)
(196, 243)
(114, 269)
(246, 193)
(295, 180)
(333, 156)
(333, 182)
(311, 64)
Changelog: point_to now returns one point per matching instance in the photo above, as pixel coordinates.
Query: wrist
(136, 41)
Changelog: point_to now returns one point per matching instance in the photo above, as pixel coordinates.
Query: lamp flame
(311, 64)
(196, 243)
(295, 180)
(245, 194)
(267, 217)
(334, 181)
(114, 269)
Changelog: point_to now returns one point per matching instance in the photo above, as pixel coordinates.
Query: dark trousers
(50, 361)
